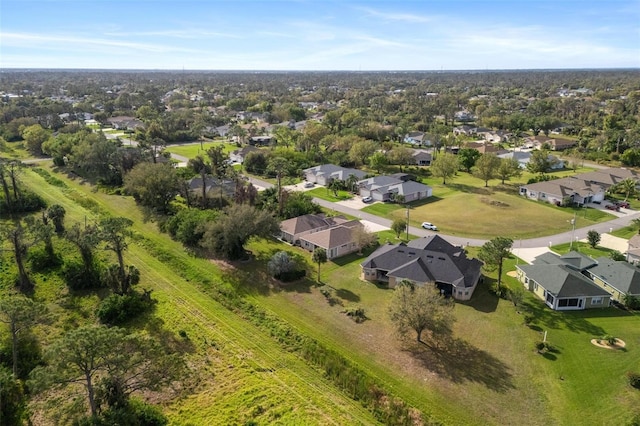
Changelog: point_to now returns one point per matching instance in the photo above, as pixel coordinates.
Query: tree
(361, 150)
(227, 235)
(493, 252)
(421, 308)
(34, 136)
(278, 166)
(86, 239)
(16, 236)
(540, 162)
(593, 237)
(377, 161)
(398, 226)
(401, 156)
(509, 167)
(362, 237)
(107, 362)
(281, 263)
(319, 256)
(114, 231)
(56, 213)
(200, 166)
(486, 167)
(153, 185)
(19, 313)
(468, 157)
(334, 186)
(445, 166)
(628, 187)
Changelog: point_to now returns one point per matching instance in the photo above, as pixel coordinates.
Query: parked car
(612, 207)
(622, 204)
(308, 184)
(367, 200)
(430, 226)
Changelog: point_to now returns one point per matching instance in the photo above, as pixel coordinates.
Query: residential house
(386, 188)
(334, 234)
(485, 148)
(561, 282)
(261, 140)
(610, 177)
(618, 278)
(555, 144)
(633, 250)
(414, 138)
(213, 187)
(425, 261)
(325, 173)
(465, 130)
(125, 123)
(496, 136)
(238, 155)
(422, 157)
(565, 191)
(524, 157)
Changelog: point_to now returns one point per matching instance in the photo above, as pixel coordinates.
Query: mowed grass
(193, 149)
(491, 364)
(326, 194)
(465, 207)
(242, 375)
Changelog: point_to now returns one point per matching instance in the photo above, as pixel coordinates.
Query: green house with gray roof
(562, 282)
(619, 278)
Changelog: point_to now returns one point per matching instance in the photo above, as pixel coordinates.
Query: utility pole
(407, 222)
(573, 231)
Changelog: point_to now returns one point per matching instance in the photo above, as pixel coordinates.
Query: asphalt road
(551, 240)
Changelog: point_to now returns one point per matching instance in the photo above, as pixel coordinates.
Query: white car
(367, 200)
(308, 184)
(430, 226)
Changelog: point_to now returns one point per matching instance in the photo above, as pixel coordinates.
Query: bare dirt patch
(619, 344)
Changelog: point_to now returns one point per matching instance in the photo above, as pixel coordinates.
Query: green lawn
(243, 375)
(465, 207)
(584, 248)
(193, 149)
(326, 194)
(627, 232)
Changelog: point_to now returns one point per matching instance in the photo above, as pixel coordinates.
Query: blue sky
(319, 35)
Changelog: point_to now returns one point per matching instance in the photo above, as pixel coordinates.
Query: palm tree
(628, 186)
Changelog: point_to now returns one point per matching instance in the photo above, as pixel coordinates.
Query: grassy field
(491, 364)
(192, 150)
(465, 207)
(584, 248)
(243, 375)
(326, 194)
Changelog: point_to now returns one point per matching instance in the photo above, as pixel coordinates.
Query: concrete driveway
(353, 203)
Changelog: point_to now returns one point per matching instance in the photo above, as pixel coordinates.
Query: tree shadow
(347, 295)
(459, 362)
(178, 343)
(483, 300)
(575, 321)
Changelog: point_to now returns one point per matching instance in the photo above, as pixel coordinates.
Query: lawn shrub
(41, 260)
(28, 202)
(632, 302)
(51, 180)
(289, 276)
(355, 313)
(77, 277)
(544, 347)
(634, 379)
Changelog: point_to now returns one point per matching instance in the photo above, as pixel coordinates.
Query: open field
(491, 365)
(192, 150)
(243, 374)
(465, 207)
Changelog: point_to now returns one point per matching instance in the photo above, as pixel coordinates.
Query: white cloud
(395, 16)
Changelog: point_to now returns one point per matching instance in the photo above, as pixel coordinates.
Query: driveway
(353, 203)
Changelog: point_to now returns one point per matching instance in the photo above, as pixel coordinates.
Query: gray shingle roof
(422, 265)
(620, 275)
(562, 281)
(573, 259)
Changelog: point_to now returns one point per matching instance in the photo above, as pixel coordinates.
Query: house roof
(334, 171)
(303, 223)
(573, 259)
(609, 177)
(424, 265)
(562, 281)
(620, 275)
(634, 242)
(377, 182)
(332, 237)
(435, 243)
(566, 187)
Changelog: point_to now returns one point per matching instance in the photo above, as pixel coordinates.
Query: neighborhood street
(551, 240)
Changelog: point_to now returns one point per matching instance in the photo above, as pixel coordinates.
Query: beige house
(618, 278)
(333, 234)
(565, 191)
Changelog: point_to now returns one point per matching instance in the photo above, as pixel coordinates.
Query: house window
(543, 195)
(466, 293)
(535, 286)
(550, 299)
(596, 300)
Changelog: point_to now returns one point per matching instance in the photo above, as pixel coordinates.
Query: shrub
(543, 347)
(40, 260)
(634, 379)
(356, 314)
(118, 309)
(77, 277)
(289, 276)
(632, 302)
